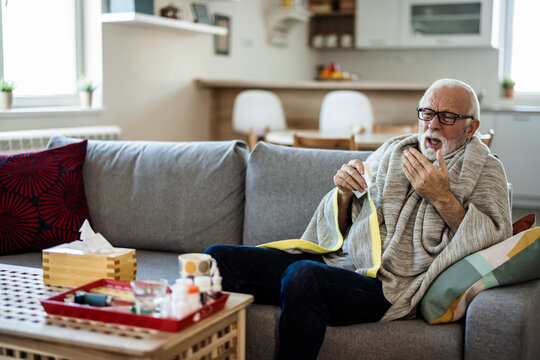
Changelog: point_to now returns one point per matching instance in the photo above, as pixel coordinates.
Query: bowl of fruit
(333, 72)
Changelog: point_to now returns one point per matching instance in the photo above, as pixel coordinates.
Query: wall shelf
(136, 19)
(279, 21)
(324, 25)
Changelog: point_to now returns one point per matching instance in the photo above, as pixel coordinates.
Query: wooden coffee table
(28, 332)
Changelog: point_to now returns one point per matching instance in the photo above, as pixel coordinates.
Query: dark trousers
(310, 293)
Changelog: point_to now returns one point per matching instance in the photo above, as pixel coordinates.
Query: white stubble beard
(447, 146)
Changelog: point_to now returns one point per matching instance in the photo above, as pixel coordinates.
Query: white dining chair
(256, 112)
(345, 109)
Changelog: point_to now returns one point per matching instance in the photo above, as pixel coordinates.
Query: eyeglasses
(445, 117)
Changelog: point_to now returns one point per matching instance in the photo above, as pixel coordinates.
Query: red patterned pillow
(42, 200)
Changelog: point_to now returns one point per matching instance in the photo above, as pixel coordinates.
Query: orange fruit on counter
(325, 73)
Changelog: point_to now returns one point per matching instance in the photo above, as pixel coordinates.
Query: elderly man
(436, 197)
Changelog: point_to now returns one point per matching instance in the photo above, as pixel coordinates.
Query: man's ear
(473, 126)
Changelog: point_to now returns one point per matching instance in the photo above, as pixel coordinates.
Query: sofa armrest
(504, 323)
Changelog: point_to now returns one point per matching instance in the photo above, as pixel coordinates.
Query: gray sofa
(169, 198)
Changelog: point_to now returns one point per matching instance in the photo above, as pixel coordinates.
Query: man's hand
(431, 183)
(349, 178)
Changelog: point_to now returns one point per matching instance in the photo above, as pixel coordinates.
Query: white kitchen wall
(148, 74)
(477, 67)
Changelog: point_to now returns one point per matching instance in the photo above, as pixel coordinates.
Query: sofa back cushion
(284, 185)
(171, 196)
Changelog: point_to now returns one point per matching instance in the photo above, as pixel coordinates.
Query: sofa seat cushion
(29, 259)
(42, 199)
(181, 197)
(504, 323)
(157, 264)
(403, 339)
(284, 185)
(262, 323)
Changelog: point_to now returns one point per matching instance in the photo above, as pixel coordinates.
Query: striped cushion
(511, 261)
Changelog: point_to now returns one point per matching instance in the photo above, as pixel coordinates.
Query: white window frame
(52, 100)
(506, 53)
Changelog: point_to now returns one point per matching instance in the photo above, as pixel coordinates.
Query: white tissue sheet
(367, 177)
(95, 242)
(90, 242)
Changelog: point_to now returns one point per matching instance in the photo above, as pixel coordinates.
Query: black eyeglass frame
(436, 113)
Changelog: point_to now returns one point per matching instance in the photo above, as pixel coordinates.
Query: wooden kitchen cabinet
(332, 24)
(334, 30)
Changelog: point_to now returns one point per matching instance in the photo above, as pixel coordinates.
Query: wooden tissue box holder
(69, 267)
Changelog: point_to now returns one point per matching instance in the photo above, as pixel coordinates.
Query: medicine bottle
(216, 286)
(193, 299)
(205, 287)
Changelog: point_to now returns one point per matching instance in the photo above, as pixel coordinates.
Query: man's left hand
(429, 181)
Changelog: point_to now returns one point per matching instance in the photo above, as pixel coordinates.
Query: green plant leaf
(85, 84)
(6, 86)
(507, 82)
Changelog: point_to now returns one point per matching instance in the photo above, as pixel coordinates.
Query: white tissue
(95, 242)
(367, 177)
(91, 242)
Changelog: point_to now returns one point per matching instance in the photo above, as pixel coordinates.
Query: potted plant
(86, 88)
(6, 93)
(508, 87)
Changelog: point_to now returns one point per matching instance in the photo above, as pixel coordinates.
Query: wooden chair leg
(252, 139)
(352, 143)
(296, 140)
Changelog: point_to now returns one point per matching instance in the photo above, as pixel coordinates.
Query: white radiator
(13, 142)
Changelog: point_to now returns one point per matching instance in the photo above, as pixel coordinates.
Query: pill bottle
(205, 287)
(216, 286)
(193, 298)
(179, 299)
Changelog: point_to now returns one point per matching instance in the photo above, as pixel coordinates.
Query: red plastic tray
(121, 314)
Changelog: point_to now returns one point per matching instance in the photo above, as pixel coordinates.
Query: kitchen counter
(510, 108)
(313, 85)
(393, 103)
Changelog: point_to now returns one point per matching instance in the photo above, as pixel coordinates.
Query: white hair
(474, 110)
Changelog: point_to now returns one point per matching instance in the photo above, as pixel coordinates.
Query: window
(522, 49)
(40, 50)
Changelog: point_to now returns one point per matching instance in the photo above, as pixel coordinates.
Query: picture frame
(201, 13)
(222, 43)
